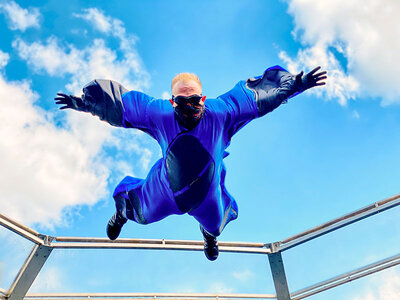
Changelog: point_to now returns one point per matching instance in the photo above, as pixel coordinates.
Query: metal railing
(44, 245)
(147, 296)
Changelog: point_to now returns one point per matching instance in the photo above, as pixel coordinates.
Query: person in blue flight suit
(193, 135)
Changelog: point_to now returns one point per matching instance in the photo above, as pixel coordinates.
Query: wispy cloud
(50, 280)
(101, 22)
(44, 168)
(4, 58)
(19, 18)
(54, 169)
(82, 65)
(385, 286)
(166, 95)
(13, 252)
(127, 42)
(356, 41)
(243, 275)
(340, 86)
(355, 114)
(220, 288)
(93, 61)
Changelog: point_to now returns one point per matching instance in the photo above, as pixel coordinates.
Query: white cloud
(44, 168)
(98, 19)
(20, 18)
(50, 280)
(115, 27)
(165, 95)
(59, 169)
(355, 114)
(108, 25)
(37, 55)
(128, 145)
(338, 85)
(13, 253)
(4, 58)
(94, 61)
(356, 41)
(243, 275)
(220, 288)
(145, 154)
(385, 286)
(83, 65)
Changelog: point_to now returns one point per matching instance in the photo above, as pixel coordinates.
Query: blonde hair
(185, 77)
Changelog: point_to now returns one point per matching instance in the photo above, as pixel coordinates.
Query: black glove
(70, 101)
(310, 79)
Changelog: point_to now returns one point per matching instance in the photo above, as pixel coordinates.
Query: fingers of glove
(313, 71)
(320, 74)
(62, 99)
(320, 78)
(64, 107)
(63, 95)
(64, 103)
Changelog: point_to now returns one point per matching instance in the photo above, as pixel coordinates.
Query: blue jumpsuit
(190, 176)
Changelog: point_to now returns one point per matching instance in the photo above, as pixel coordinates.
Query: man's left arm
(260, 95)
(277, 85)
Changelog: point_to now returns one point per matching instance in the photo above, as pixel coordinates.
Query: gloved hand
(310, 79)
(70, 101)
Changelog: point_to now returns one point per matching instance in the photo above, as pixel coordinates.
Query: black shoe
(114, 226)
(210, 245)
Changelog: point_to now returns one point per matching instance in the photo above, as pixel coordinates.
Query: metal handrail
(157, 244)
(347, 277)
(148, 295)
(3, 292)
(338, 223)
(239, 247)
(21, 229)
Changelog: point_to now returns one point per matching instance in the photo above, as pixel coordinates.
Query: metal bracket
(273, 247)
(47, 239)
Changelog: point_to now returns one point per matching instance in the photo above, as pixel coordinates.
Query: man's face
(187, 89)
(188, 103)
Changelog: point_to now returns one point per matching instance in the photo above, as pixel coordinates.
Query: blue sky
(325, 153)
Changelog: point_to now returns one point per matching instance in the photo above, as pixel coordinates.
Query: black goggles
(193, 99)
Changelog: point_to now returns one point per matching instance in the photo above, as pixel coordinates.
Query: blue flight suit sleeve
(114, 104)
(103, 98)
(241, 108)
(136, 106)
(272, 89)
(257, 96)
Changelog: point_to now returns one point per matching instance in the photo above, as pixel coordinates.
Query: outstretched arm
(102, 98)
(277, 85)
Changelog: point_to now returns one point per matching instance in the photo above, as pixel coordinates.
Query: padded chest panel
(190, 169)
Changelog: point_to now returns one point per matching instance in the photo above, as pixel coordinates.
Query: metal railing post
(279, 275)
(29, 271)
